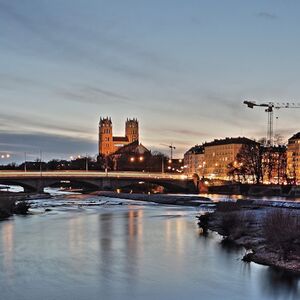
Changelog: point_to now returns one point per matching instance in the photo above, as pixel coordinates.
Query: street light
(5, 155)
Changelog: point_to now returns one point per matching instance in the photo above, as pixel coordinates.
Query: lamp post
(41, 162)
(203, 168)
(25, 159)
(86, 163)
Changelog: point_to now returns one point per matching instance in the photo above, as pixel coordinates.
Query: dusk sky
(183, 68)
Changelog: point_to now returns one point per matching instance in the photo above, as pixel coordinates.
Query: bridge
(96, 180)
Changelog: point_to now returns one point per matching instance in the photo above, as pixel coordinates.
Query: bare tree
(249, 162)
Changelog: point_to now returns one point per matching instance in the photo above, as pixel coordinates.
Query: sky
(183, 68)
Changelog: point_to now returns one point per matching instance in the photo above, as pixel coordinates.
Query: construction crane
(269, 108)
(172, 148)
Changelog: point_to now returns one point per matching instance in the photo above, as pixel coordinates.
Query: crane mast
(269, 108)
(172, 148)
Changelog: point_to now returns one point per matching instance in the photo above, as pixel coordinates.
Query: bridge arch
(27, 187)
(87, 185)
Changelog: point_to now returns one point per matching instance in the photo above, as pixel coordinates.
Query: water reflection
(7, 250)
(280, 285)
(134, 245)
(106, 238)
(76, 241)
(273, 283)
(127, 253)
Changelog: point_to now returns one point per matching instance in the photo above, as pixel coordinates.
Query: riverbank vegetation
(270, 235)
(9, 206)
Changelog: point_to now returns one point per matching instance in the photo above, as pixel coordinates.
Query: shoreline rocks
(13, 203)
(161, 198)
(270, 235)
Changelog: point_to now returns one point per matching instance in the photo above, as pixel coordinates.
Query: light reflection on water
(132, 252)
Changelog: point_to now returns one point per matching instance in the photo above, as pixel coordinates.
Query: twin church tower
(109, 144)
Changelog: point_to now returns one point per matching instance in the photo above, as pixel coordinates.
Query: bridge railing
(19, 174)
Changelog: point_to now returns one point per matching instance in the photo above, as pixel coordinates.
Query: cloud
(51, 145)
(34, 124)
(267, 15)
(70, 42)
(91, 94)
(185, 132)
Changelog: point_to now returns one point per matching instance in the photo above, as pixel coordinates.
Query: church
(109, 144)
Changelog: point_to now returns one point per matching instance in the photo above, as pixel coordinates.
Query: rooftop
(295, 136)
(197, 149)
(228, 141)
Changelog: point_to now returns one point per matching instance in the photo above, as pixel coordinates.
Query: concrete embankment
(257, 190)
(160, 198)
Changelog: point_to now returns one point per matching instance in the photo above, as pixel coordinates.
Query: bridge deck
(90, 174)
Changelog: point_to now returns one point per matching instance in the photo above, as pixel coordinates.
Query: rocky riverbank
(12, 203)
(160, 198)
(270, 235)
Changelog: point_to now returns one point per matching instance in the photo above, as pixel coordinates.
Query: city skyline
(182, 69)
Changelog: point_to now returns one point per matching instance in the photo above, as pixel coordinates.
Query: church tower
(132, 130)
(106, 145)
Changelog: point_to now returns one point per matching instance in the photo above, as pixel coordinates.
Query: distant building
(131, 157)
(109, 144)
(293, 158)
(194, 160)
(212, 159)
(220, 153)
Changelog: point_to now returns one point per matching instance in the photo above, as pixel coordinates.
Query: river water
(91, 248)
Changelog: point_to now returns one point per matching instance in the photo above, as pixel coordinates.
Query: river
(91, 248)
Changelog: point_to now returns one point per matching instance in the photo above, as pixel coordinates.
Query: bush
(21, 208)
(282, 231)
(203, 222)
(229, 223)
(236, 223)
(6, 208)
(227, 206)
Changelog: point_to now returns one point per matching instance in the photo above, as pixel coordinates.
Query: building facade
(108, 143)
(194, 161)
(212, 159)
(293, 158)
(220, 153)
